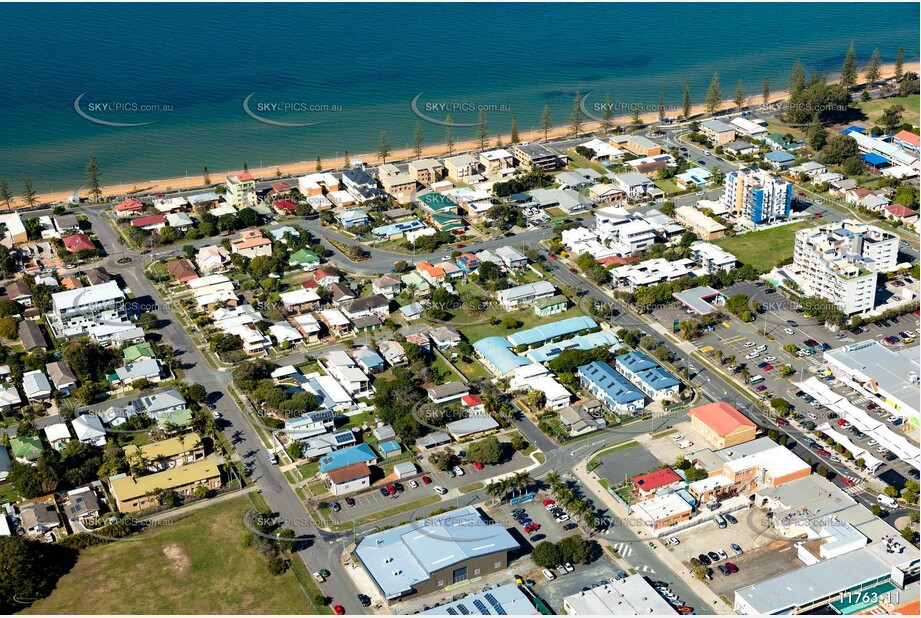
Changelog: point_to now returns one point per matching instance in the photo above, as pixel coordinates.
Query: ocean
(351, 71)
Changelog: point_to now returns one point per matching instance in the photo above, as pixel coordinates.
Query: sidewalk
(714, 602)
(182, 510)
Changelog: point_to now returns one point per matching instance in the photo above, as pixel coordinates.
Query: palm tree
(411, 290)
(552, 480)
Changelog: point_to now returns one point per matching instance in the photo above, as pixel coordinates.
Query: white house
(89, 430)
(36, 386)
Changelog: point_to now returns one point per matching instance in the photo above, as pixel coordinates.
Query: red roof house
(78, 242)
(285, 206)
(152, 221)
(648, 483)
(129, 207)
(904, 213)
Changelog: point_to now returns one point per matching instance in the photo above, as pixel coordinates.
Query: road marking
(645, 569)
(736, 340)
(623, 549)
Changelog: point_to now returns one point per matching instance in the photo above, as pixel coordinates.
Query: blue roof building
(851, 129)
(496, 353)
(457, 546)
(548, 352)
(347, 457)
(397, 229)
(647, 375)
(876, 160)
(546, 332)
(610, 387)
(389, 448)
(779, 159)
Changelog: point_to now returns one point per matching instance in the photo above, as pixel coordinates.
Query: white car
(751, 356)
(722, 555)
(562, 518)
(750, 344)
(835, 459)
(678, 438)
(459, 471)
(761, 348)
(872, 443)
(440, 490)
(789, 331)
(770, 359)
(881, 449)
(569, 568)
(216, 414)
(673, 540)
(414, 484)
(892, 419)
(548, 574)
(685, 444)
(813, 416)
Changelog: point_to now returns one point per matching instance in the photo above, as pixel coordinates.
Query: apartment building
(401, 186)
(241, 191)
(73, 312)
(530, 155)
(840, 262)
(699, 223)
(757, 197)
(712, 258)
(426, 171)
(494, 161)
(718, 132)
(637, 144)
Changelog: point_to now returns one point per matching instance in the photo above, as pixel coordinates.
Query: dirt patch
(179, 561)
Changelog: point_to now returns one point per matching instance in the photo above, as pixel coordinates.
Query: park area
(764, 249)
(196, 565)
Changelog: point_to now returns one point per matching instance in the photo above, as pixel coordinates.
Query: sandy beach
(433, 150)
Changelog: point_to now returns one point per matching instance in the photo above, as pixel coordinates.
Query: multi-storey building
(241, 191)
(757, 196)
(73, 312)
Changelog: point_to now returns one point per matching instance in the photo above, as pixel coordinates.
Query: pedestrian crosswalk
(624, 549)
(645, 569)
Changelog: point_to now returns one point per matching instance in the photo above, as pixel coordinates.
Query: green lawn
(577, 160)
(197, 565)
(527, 316)
(357, 420)
(874, 109)
(8, 493)
(764, 249)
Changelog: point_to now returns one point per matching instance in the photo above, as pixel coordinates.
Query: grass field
(526, 316)
(874, 109)
(196, 566)
(764, 249)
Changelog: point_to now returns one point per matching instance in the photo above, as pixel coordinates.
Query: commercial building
(699, 223)
(134, 494)
(497, 355)
(757, 197)
(631, 596)
(748, 127)
(663, 510)
(73, 312)
(840, 262)
(435, 553)
(637, 144)
(507, 600)
(722, 425)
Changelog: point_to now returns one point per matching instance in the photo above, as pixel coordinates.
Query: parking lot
(472, 475)
(550, 529)
(565, 584)
(764, 555)
(624, 464)
(665, 449)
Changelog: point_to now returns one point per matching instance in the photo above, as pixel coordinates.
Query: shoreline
(267, 172)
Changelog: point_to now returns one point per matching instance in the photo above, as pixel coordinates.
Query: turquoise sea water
(364, 63)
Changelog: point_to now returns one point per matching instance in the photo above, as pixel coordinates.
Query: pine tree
(873, 69)
(899, 64)
(607, 113)
(686, 104)
(347, 160)
(714, 98)
(417, 140)
(5, 196)
(849, 68)
(92, 177)
(661, 115)
(545, 121)
(797, 79)
(635, 119)
(482, 130)
(449, 134)
(514, 137)
(765, 91)
(499, 142)
(383, 147)
(245, 167)
(319, 165)
(206, 175)
(739, 98)
(575, 119)
(28, 191)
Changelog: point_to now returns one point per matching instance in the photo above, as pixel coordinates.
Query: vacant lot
(195, 566)
(874, 109)
(764, 249)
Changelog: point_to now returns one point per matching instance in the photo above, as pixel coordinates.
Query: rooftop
(127, 488)
(721, 417)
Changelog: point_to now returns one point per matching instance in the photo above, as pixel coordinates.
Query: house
(583, 417)
(412, 311)
(348, 479)
(241, 191)
(150, 223)
(376, 305)
(471, 427)
(138, 351)
(71, 283)
(179, 221)
(550, 305)
(80, 506)
(98, 276)
(308, 326)
(841, 187)
(131, 207)
(26, 449)
(170, 453)
(461, 166)
(336, 323)
(61, 376)
(695, 177)
(567, 200)
(572, 180)
(89, 430)
(285, 333)
(426, 171)
(494, 161)
(739, 148)
(603, 151)
(135, 494)
(634, 184)
(304, 258)
(387, 286)
(57, 435)
(467, 262)
(444, 337)
(78, 242)
(211, 259)
(432, 440)
(66, 223)
(161, 403)
(35, 385)
(450, 391)
(314, 184)
(612, 389)
(529, 155)
(719, 133)
(473, 405)
(776, 141)
(358, 180)
(345, 457)
(369, 360)
(901, 213)
(181, 270)
(747, 127)
(646, 485)
(327, 276)
(722, 425)
(30, 335)
(340, 293)
(10, 398)
(416, 283)
(392, 352)
(39, 518)
(300, 299)
(512, 258)
(251, 243)
(779, 159)
(285, 207)
(432, 274)
(352, 218)
(526, 294)
(149, 370)
(637, 144)
(19, 291)
(809, 168)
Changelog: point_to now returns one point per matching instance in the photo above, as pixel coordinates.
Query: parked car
(548, 503)
(570, 526)
(339, 610)
(336, 507)
(413, 484)
(569, 568)
(477, 465)
(732, 567)
(673, 540)
(426, 480)
(350, 501)
(548, 574)
(440, 490)
(737, 549)
(704, 559)
(723, 569)
(537, 537)
(384, 492)
(731, 519)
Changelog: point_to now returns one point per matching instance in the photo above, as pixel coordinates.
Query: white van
(685, 444)
(886, 501)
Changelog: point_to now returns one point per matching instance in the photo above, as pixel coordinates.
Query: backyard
(197, 565)
(766, 248)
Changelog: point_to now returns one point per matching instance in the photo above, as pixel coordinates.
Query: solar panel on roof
(452, 611)
(342, 438)
(495, 604)
(480, 606)
(463, 609)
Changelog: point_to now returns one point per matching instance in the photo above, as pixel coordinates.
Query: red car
(549, 501)
(340, 611)
(684, 609)
(531, 528)
(768, 367)
(843, 423)
(477, 465)
(461, 246)
(552, 256)
(426, 480)
(732, 568)
(872, 406)
(392, 490)
(848, 481)
(823, 452)
(781, 421)
(573, 271)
